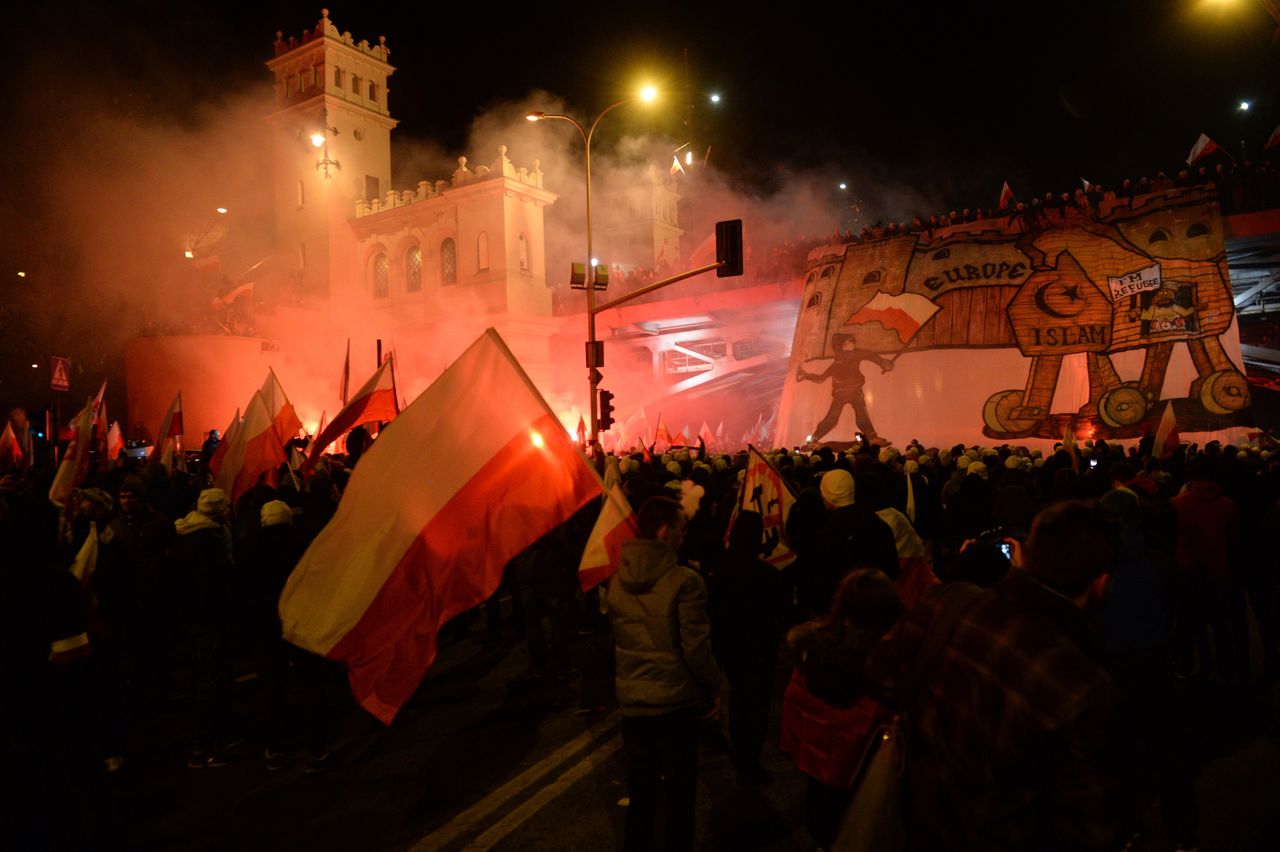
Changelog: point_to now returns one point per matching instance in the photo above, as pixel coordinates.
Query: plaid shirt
(1010, 736)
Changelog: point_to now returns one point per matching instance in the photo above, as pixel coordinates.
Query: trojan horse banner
(1021, 328)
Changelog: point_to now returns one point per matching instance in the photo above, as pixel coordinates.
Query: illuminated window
(871, 277)
(448, 262)
(814, 301)
(1158, 236)
(1199, 229)
(482, 252)
(413, 270)
(381, 280)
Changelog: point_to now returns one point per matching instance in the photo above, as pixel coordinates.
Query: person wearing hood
(202, 563)
(667, 678)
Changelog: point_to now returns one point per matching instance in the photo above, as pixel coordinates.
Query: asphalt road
(487, 758)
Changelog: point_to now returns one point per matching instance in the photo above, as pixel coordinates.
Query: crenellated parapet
(326, 29)
(462, 176)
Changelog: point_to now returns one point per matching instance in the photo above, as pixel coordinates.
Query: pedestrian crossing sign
(60, 370)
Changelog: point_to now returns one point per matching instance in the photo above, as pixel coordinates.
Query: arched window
(1158, 236)
(355, 84)
(827, 272)
(942, 254)
(871, 277)
(812, 275)
(482, 252)
(381, 280)
(1199, 229)
(524, 253)
(814, 301)
(448, 262)
(413, 270)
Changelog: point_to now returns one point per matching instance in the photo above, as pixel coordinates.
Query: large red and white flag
(764, 491)
(615, 525)
(283, 417)
(1167, 438)
(1204, 147)
(169, 438)
(375, 402)
(220, 452)
(11, 454)
(75, 463)
(344, 383)
(904, 313)
(255, 450)
(1006, 196)
(475, 470)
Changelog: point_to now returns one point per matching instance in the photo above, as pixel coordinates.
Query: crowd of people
(1061, 602)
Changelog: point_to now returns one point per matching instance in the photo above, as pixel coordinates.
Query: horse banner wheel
(1224, 392)
(998, 413)
(1123, 406)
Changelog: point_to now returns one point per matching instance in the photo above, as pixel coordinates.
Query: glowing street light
(189, 254)
(647, 93)
(1244, 106)
(715, 99)
(843, 185)
(221, 210)
(21, 274)
(317, 140)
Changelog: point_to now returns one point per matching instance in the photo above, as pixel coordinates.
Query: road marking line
(544, 797)
(466, 822)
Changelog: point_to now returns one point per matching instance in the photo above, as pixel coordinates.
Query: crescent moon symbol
(1044, 306)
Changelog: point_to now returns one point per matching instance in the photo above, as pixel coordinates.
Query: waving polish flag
(284, 418)
(1167, 438)
(615, 525)
(75, 463)
(254, 450)
(1204, 147)
(1006, 196)
(169, 438)
(374, 402)
(661, 437)
(10, 449)
(473, 472)
(904, 313)
(115, 442)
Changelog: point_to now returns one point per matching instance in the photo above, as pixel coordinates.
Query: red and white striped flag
(169, 438)
(255, 450)
(707, 437)
(344, 384)
(10, 450)
(375, 402)
(615, 525)
(115, 443)
(1006, 196)
(1204, 147)
(765, 491)
(475, 470)
(228, 435)
(1167, 438)
(661, 437)
(283, 417)
(75, 463)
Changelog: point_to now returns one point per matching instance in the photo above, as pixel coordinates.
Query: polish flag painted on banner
(1204, 147)
(764, 491)
(10, 450)
(255, 450)
(375, 402)
(228, 435)
(615, 525)
(1167, 438)
(1006, 196)
(75, 463)
(903, 313)
(283, 417)
(475, 470)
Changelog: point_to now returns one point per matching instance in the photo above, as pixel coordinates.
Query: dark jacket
(661, 632)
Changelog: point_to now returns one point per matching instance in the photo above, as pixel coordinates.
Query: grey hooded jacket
(660, 628)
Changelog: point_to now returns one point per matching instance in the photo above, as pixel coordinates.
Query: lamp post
(648, 93)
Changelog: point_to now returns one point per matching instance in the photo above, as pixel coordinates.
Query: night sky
(951, 98)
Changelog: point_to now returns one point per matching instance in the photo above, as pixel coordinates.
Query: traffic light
(606, 410)
(729, 248)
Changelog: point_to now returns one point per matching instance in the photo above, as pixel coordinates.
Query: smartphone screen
(1007, 549)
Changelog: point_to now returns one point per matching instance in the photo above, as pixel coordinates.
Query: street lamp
(594, 352)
